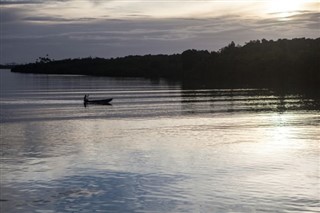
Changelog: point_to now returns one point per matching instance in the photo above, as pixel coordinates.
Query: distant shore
(258, 63)
(2, 67)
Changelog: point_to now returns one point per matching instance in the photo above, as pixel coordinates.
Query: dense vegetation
(7, 66)
(258, 63)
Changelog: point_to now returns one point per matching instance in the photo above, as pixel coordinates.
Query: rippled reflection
(156, 149)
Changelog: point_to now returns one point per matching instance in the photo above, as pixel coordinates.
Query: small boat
(96, 101)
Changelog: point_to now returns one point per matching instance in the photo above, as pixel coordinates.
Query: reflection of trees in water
(246, 100)
(208, 101)
(308, 100)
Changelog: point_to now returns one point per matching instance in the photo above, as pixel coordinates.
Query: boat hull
(101, 102)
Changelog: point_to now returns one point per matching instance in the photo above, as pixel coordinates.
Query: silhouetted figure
(85, 98)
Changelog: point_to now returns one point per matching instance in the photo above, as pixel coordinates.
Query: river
(159, 147)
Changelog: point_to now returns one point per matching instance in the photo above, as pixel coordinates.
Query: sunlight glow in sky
(159, 8)
(82, 28)
(284, 6)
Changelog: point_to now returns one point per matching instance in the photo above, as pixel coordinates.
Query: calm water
(157, 148)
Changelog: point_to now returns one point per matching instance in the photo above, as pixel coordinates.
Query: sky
(114, 28)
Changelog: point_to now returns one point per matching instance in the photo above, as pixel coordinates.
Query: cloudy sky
(112, 28)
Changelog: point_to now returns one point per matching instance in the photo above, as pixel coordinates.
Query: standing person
(85, 98)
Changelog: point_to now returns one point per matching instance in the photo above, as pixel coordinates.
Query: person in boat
(85, 98)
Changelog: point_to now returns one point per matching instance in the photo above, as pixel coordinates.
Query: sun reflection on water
(281, 140)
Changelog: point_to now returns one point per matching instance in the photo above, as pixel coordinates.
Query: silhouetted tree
(281, 63)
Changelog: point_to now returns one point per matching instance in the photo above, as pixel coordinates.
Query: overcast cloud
(82, 28)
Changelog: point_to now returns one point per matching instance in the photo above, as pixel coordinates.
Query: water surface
(157, 148)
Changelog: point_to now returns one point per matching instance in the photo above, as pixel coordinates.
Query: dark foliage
(259, 63)
(7, 66)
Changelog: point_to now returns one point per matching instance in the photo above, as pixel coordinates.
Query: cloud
(305, 19)
(45, 19)
(7, 2)
(19, 2)
(27, 35)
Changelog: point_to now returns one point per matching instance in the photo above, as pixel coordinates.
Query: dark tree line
(7, 66)
(258, 63)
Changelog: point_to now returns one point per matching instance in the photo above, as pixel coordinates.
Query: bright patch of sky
(159, 8)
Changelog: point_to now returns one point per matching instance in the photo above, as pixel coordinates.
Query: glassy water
(157, 148)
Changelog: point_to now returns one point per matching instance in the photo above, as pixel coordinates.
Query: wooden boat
(96, 101)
